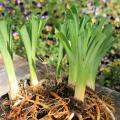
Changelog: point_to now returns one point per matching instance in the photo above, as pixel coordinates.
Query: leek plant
(30, 32)
(60, 56)
(7, 54)
(85, 44)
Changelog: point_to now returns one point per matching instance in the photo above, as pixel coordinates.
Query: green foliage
(82, 29)
(85, 44)
(110, 76)
(7, 53)
(29, 34)
(60, 56)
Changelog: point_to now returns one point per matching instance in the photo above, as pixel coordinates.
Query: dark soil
(53, 100)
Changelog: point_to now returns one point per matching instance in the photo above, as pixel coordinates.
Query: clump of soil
(53, 100)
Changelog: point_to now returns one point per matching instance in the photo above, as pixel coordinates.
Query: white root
(108, 110)
(71, 116)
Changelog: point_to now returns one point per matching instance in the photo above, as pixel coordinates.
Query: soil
(54, 100)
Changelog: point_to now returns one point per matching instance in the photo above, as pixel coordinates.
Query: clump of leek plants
(30, 32)
(85, 44)
(6, 49)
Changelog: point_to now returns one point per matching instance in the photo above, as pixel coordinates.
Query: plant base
(54, 101)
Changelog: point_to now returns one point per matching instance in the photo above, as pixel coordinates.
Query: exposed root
(110, 112)
(43, 105)
(71, 116)
(60, 109)
(98, 112)
(103, 106)
(80, 117)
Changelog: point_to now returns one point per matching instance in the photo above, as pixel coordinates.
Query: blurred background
(20, 10)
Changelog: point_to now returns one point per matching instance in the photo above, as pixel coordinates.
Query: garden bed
(55, 101)
(37, 90)
(52, 94)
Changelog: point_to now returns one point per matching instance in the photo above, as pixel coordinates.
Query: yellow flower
(41, 1)
(13, 11)
(114, 22)
(102, 68)
(1, 9)
(117, 62)
(110, 4)
(106, 69)
(48, 28)
(49, 42)
(94, 20)
(16, 38)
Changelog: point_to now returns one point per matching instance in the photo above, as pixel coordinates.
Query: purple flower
(15, 33)
(27, 15)
(105, 58)
(112, 18)
(1, 5)
(34, 3)
(45, 15)
(17, 2)
(90, 3)
(93, 10)
(9, 8)
(37, 4)
(22, 8)
(7, 0)
(103, 65)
